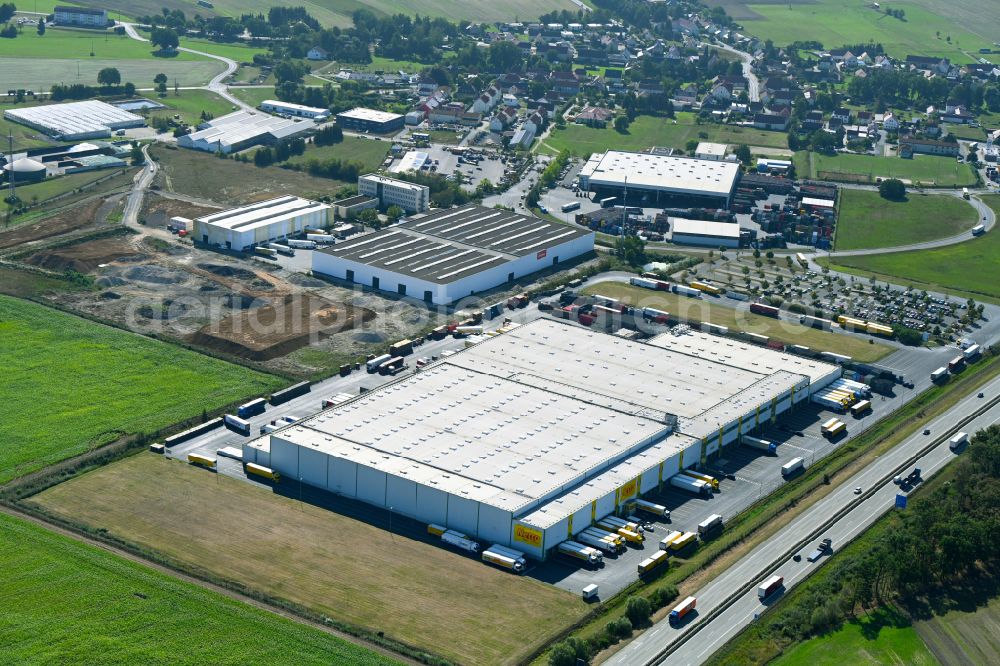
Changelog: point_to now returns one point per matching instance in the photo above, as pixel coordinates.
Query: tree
(263, 157)
(637, 610)
(503, 57)
(165, 38)
(9, 31)
(742, 153)
(567, 652)
(394, 212)
(109, 76)
(621, 124)
(369, 217)
(892, 189)
(160, 78)
(631, 250)
(138, 159)
(41, 27)
(7, 11)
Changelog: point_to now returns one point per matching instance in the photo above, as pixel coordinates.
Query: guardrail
(769, 570)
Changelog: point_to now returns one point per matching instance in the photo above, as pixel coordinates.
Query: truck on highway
(965, 193)
(681, 610)
(958, 440)
(261, 471)
(770, 448)
(696, 486)
(581, 552)
(792, 466)
(710, 525)
(770, 586)
(825, 546)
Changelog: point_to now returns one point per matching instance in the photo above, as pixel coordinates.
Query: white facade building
(489, 441)
(85, 16)
(411, 197)
(704, 233)
(248, 226)
(297, 110)
(450, 254)
(709, 181)
(241, 130)
(74, 121)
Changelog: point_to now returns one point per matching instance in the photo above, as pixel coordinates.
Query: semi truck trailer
(582, 552)
(770, 448)
(681, 610)
(657, 560)
(696, 486)
(770, 586)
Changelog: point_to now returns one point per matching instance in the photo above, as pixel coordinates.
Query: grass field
(189, 104)
(415, 592)
(873, 640)
(73, 44)
(924, 169)
(867, 220)
(963, 636)
(705, 310)
(253, 96)
(646, 131)
(838, 23)
(71, 385)
(40, 73)
(227, 181)
(53, 187)
(67, 602)
(969, 269)
(352, 149)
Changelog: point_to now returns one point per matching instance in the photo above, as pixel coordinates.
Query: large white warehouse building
(247, 226)
(241, 130)
(73, 121)
(529, 437)
(702, 182)
(452, 253)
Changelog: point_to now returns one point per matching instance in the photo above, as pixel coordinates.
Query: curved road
(216, 85)
(753, 83)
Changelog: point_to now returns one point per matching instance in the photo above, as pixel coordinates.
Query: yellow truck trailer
(203, 461)
(265, 472)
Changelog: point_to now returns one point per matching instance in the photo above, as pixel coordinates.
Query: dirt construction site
(153, 282)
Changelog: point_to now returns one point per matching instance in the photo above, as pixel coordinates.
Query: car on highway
(857, 490)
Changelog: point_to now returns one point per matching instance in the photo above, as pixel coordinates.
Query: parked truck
(710, 480)
(507, 558)
(602, 544)
(792, 466)
(581, 552)
(251, 408)
(261, 471)
(207, 462)
(393, 366)
(669, 539)
(710, 525)
(681, 610)
(770, 586)
(236, 424)
(301, 244)
(765, 310)
(615, 538)
(656, 560)
(696, 486)
(401, 348)
(373, 364)
(633, 525)
(770, 448)
(460, 541)
(624, 532)
(683, 541)
(653, 508)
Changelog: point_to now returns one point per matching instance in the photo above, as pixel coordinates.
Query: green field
(71, 385)
(40, 74)
(647, 131)
(964, 636)
(969, 269)
(837, 23)
(67, 602)
(868, 641)
(415, 591)
(867, 220)
(79, 44)
(705, 310)
(52, 187)
(189, 104)
(926, 170)
(253, 96)
(352, 149)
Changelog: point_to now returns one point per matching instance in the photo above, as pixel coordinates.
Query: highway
(729, 602)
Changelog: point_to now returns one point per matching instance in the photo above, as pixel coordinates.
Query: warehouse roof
(413, 160)
(680, 225)
(240, 127)
(361, 113)
(262, 213)
(669, 173)
(450, 244)
(75, 118)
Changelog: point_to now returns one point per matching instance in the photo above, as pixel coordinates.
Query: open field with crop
(867, 220)
(872, 640)
(924, 30)
(227, 181)
(38, 193)
(80, 44)
(969, 269)
(646, 131)
(706, 310)
(414, 591)
(352, 149)
(927, 170)
(67, 602)
(965, 636)
(72, 385)
(41, 73)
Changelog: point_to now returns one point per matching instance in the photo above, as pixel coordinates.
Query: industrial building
(296, 110)
(245, 227)
(452, 253)
(708, 150)
(670, 178)
(412, 160)
(704, 233)
(527, 438)
(25, 170)
(241, 130)
(82, 16)
(369, 120)
(350, 207)
(75, 120)
(411, 197)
